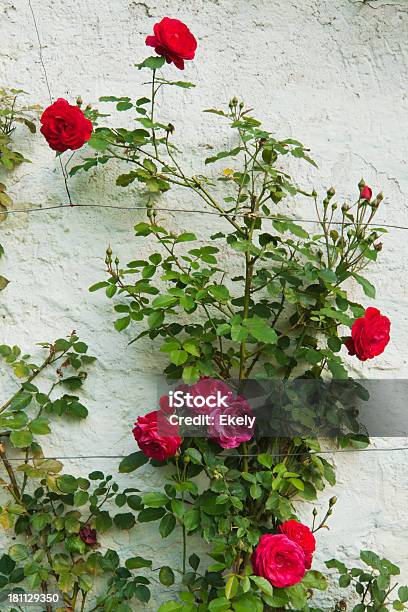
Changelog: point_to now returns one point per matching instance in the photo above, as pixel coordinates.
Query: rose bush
(282, 318)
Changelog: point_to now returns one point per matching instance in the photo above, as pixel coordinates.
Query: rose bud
(88, 535)
(366, 193)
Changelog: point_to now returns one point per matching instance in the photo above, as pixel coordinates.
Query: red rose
(370, 335)
(173, 40)
(88, 535)
(366, 193)
(153, 444)
(301, 534)
(279, 560)
(65, 126)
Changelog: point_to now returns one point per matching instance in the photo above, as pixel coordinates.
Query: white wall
(331, 73)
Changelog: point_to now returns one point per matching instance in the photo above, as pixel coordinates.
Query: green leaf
(137, 563)
(80, 498)
(186, 237)
(370, 558)
(164, 301)
(248, 603)
(344, 581)
(261, 330)
(3, 282)
(191, 348)
(223, 154)
(231, 588)
(142, 593)
(150, 514)
(334, 344)
(266, 460)
(195, 455)
(155, 499)
(40, 426)
(368, 288)
(19, 552)
(121, 324)
(219, 292)
(194, 561)
(191, 519)
(123, 106)
(97, 142)
(21, 439)
(155, 319)
(338, 371)
(297, 596)
(124, 520)
(40, 520)
(67, 483)
(327, 275)
(132, 462)
(21, 401)
(171, 606)
(314, 580)
(96, 475)
(74, 544)
(103, 521)
(166, 576)
(167, 525)
(263, 584)
(178, 357)
(134, 502)
(7, 564)
(154, 62)
(403, 593)
(219, 605)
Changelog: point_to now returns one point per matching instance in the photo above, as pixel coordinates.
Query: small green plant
(11, 114)
(56, 517)
(373, 584)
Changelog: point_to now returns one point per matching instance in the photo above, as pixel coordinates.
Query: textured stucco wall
(331, 73)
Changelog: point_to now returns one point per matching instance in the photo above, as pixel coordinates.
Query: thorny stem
(152, 111)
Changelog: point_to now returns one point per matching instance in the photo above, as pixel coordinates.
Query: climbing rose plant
(285, 316)
(57, 519)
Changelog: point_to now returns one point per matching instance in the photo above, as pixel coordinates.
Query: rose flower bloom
(173, 40)
(279, 560)
(370, 335)
(153, 444)
(301, 534)
(65, 126)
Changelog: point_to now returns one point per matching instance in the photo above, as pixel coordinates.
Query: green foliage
(48, 508)
(373, 584)
(11, 114)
